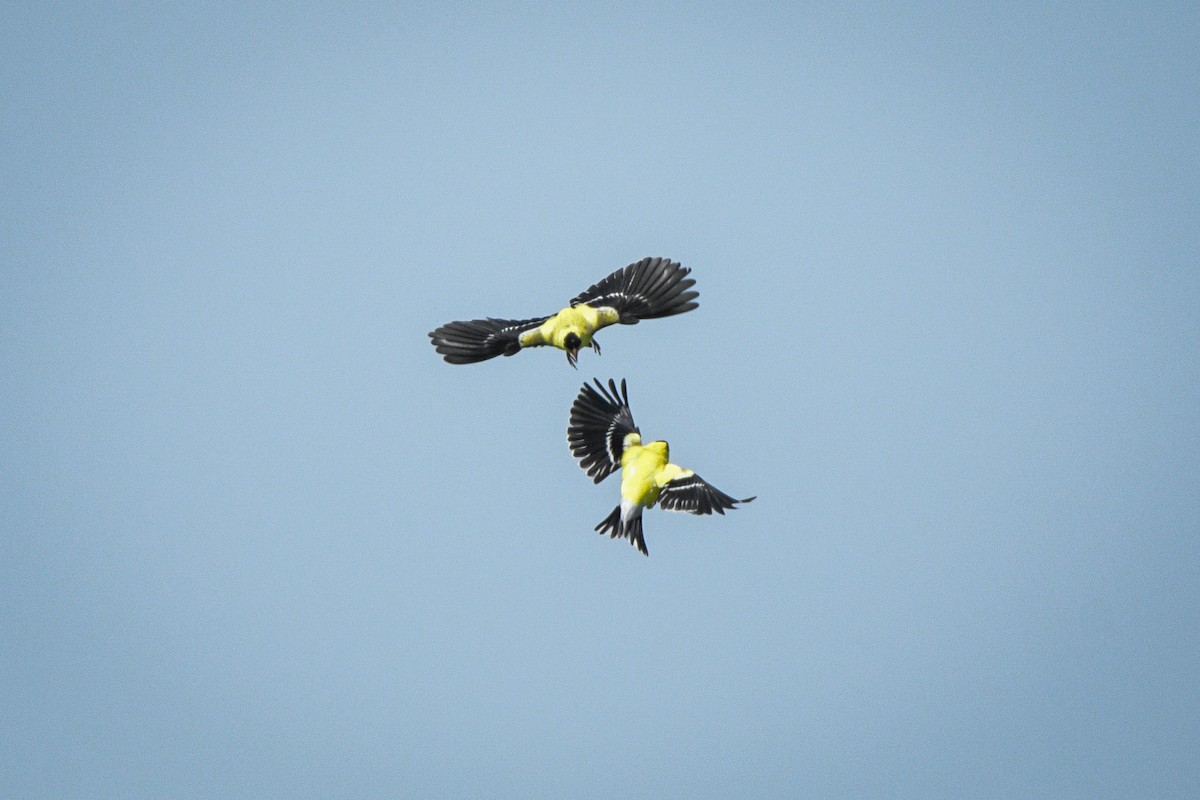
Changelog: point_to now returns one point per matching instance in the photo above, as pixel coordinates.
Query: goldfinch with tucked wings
(646, 289)
(604, 439)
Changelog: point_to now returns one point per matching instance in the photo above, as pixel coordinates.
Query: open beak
(573, 356)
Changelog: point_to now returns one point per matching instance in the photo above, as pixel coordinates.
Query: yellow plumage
(581, 320)
(645, 469)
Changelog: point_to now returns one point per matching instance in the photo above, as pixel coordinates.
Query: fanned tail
(630, 529)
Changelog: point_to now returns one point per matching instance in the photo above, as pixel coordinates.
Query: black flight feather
(646, 289)
(599, 422)
(481, 339)
(695, 496)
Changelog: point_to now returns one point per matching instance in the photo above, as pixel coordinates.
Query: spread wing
(693, 494)
(481, 339)
(600, 421)
(646, 289)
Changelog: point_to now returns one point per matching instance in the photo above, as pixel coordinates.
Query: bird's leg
(596, 346)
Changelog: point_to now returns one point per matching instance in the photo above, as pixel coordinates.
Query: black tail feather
(631, 530)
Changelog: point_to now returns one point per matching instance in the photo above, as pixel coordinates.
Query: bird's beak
(573, 356)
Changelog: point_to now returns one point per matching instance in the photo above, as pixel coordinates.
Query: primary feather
(647, 289)
(600, 422)
(480, 339)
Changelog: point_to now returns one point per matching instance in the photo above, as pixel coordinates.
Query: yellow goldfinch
(646, 289)
(602, 436)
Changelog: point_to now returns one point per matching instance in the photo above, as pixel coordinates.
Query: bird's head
(571, 344)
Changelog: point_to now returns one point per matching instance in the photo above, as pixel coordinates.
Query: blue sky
(259, 541)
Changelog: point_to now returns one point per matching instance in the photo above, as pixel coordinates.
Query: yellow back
(640, 466)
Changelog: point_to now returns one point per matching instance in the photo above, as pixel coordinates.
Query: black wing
(600, 421)
(693, 495)
(650, 288)
(481, 339)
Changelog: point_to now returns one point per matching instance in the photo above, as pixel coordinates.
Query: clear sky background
(259, 541)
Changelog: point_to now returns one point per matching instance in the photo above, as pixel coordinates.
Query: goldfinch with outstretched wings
(603, 437)
(647, 289)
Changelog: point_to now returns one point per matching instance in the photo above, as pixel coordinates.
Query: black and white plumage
(480, 339)
(695, 496)
(602, 435)
(600, 421)
(646, 289)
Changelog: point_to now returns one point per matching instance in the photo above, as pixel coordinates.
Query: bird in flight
(602, 436)
(646, 289)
